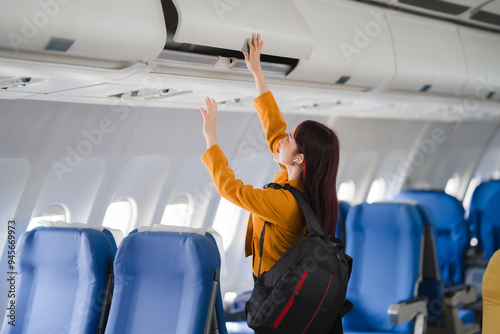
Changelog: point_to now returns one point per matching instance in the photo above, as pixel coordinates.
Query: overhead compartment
(123, 31)
(482, 53)
(225, 24)
(352, 44)
(429, 55)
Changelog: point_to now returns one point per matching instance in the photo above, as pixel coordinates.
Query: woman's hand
(209, 121)
(252, 58)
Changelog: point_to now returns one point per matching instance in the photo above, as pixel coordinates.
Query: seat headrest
(196, 230)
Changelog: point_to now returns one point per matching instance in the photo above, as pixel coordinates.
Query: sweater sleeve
(273, 123)
(275, 206)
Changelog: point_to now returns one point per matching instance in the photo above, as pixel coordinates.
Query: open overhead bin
(325, 42)
(226, 23)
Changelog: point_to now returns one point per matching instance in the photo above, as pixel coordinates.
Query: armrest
(452, 299)
(407, 310)
(463, 294)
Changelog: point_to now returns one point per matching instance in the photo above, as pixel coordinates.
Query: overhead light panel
(18, 82)
(151, 94)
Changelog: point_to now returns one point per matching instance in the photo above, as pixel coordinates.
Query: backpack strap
(261, 245)
(312, 222)
(337, 325)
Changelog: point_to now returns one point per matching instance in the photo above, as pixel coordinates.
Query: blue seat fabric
(450, 229)
(490, 226)
(384, 240)
(479, 200)
(62, 275)
(163, 283)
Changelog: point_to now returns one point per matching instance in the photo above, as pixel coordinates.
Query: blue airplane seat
(444, 301)
(385, 241)
(490, 226)
(450, 229)
(61, 280)
(164, 282)
(479, 200)
(342, 215)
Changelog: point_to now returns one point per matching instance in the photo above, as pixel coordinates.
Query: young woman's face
(287, 151)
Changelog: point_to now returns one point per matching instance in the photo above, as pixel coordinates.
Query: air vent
(490, 95)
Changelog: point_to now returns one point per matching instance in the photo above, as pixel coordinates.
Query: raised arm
(270, 116)
(252, 61)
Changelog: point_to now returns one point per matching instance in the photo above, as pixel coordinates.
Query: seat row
(454, 231)
(396, 285)
(75, 280)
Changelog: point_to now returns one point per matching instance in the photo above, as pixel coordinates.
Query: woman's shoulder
(281, 178)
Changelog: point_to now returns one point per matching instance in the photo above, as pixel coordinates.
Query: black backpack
(304, 292)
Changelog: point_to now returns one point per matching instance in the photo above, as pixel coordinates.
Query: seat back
(385, 241)
(163, 283)
(61, 280)
(490, 226)
(479, 200)
(450, 229)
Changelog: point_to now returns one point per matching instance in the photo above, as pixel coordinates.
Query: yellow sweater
(491, 296)
(276, 206)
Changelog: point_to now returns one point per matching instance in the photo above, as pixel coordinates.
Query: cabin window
(377, 191)
(178, 212)
(121, 215)
(226, 221)
(452, 185)
(346, 191)
(51, 213)
(474, 182)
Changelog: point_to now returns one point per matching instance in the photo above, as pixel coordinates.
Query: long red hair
(320, 146)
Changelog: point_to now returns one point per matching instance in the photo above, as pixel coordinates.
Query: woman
(308, 157)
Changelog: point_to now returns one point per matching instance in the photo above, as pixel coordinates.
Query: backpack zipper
(290, 301)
